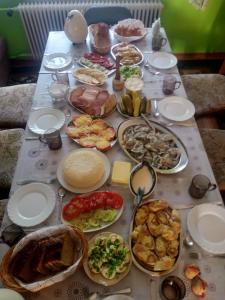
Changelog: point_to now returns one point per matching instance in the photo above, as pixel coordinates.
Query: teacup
(157, 42)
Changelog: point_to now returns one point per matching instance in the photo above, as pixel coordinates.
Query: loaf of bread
(42, 258)
(83, 169)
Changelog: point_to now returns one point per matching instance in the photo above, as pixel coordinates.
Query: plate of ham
(90, 100)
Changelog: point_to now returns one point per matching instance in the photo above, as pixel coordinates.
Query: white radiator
(41, 17)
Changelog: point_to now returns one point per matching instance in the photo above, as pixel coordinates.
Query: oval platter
(183, 160)
(77, 140)
(139, 52)
(103, 225)
(140, 265)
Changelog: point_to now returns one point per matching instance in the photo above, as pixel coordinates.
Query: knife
(46, 180)
(188, 206)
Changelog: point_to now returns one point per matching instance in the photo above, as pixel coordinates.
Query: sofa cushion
(10, 143)
(15, 105)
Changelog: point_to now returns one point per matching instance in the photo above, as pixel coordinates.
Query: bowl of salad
(127, 72)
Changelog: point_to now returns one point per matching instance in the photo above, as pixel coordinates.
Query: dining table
(37, 161)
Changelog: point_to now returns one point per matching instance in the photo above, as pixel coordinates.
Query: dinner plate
(57, 61)
(97, 277)
(43, 119)
(84, 190)
(31, 204)
(118, 297)
(176, 108)
(7, 294)
(163, 60)
(103, 225)
(206, 225)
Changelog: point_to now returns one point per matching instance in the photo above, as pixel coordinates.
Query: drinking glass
(170, 83)
(12, 234)
(158, 42)
(200, 185)
(60, 77)
(58, 93)
(52, 138)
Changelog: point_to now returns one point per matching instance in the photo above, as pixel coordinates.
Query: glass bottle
(118, 83)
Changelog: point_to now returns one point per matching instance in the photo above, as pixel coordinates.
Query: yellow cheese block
(121, 172)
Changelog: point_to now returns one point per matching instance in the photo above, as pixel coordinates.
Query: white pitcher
(75, 27)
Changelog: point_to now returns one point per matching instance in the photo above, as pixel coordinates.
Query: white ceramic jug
(75, 27)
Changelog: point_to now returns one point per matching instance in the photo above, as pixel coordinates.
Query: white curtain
(200, 4)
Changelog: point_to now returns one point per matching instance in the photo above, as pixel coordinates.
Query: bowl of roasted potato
(155, 237)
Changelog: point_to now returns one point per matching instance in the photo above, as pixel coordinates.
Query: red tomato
(70, 212)
(99, 198)
(114, 200)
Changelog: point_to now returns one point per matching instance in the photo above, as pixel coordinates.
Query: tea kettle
(75, 27)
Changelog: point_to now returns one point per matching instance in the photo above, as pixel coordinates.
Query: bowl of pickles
(133, 104)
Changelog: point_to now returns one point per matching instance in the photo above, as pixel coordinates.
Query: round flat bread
(83, 169)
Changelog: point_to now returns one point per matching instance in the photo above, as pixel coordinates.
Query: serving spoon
(98, 296)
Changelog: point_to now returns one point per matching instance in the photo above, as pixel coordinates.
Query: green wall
(189, 30)
(192, 30)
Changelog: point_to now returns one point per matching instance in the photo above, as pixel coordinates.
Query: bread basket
(11, 282)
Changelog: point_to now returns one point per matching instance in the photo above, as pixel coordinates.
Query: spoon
(147, 67)
(61, 194)
(98, 296)
(188, 242)
(155, 108)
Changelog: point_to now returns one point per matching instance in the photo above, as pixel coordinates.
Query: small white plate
(176, 108)
(163, 60)
(31, 204)
(43, 119)
(57, 61)
(90, 189)
(118, 297)
(206, 225)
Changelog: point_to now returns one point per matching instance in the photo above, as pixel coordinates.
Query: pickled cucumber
(128, 104)
(136, 103)
(143, 105)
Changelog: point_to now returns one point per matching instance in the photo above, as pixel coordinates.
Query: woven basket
(8, 279)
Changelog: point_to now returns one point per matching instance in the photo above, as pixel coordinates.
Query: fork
(147, 67)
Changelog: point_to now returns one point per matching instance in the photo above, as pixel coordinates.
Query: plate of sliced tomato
(93, 211)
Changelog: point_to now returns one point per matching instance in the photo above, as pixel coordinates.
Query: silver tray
(112, 143)
(136, 48)
(183, 161)
(136, 262)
